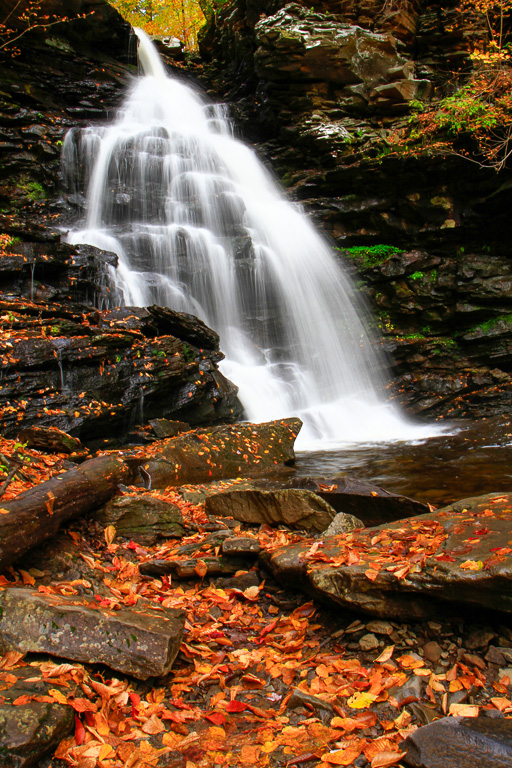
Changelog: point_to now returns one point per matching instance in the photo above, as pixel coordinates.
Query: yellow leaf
(464, 710)
(472, 565)
(110, 534)
(57, 696)
(4, 511)
(105, 751)
(360, 701)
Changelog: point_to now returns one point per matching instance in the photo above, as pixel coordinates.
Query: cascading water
(200, 226)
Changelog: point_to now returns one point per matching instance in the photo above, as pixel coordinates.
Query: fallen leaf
(361, 701)
(385, 759)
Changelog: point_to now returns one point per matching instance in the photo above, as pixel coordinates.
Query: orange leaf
(385, 759)
(371, 574)
(385, 655)
(79, 731)
(21, 700)
(201, 569)
(342, 756)
(110, 534)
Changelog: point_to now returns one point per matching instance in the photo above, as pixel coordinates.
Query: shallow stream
(477, 459)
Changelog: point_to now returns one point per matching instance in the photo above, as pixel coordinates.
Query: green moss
(370, 255)
(492, 323)
(32, 190)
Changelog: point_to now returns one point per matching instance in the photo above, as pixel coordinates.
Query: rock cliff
(425, 227)
(68, 360)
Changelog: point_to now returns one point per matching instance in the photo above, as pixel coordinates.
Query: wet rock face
(325, 112)
(353, 66)
(97, 375)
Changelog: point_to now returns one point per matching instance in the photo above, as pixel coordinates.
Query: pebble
(432, 651)
(380, 627)
(368, 642)
(479, 639)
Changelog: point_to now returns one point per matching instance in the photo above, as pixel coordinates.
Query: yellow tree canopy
(175, 18)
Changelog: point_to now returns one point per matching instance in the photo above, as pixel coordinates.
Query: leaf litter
(246, 652)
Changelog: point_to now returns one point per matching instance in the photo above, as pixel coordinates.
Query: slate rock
(461, 742)
(143, 518)
(367, 502)
(342, 523)
(468, 563)
(294, 508)
(28, 731)
(137, 643)
(222, 452)
(50, 440)
(166, 428)
(241, 546)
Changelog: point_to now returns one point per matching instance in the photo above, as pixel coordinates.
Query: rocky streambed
(211, 613)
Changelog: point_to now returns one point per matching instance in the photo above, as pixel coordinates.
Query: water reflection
(475, 460)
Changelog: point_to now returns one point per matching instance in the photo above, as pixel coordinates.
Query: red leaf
(79, 731)
(217, 718)
(236, 706)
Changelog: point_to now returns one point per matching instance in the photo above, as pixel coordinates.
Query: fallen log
(34, 516)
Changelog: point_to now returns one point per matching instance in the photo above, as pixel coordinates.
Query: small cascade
(199, 225)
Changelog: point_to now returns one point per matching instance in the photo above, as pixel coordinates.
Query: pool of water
(475, 459)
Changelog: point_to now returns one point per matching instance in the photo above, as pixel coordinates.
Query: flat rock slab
(142, 518)
(373, 505)
(294, 508)
(459, 555)
(133, 642)
(222, 452)
(461, 742)
(28, 731)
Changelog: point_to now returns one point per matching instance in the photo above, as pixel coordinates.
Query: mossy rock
(143, 519)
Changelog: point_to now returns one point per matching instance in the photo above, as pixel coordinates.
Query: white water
(199, 225)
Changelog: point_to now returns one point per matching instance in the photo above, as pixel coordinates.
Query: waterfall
(200, 225)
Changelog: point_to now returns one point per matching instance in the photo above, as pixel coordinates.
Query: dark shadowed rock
(296, 509)
(226, 451)
(94, 374)
(142, 518)
(461, 742)
(137, 643)
(28, 731)
(165, 428)
(459, 555)
(371, 504)
(50, 440)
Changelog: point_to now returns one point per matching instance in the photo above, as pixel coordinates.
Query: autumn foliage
(181, 19)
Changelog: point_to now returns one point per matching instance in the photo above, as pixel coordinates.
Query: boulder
(222, 452)
(294, 508)
(411, 569)
(369, 503)
(135, 642)
(142, 518)
(50, 440)
(342, 523)
(461, 742)
(28, 731)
